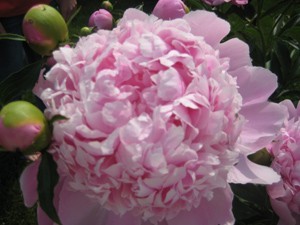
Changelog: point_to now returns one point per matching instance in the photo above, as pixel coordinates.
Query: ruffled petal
(209, 212)
(291, 108)
(264, 120)
(76, 209)
(248, 172)
(126, 219)
(134, 14)
(202, 22)
(28, 183)
(252, 89)
(284, 213)
(238, 53)
(43, 218)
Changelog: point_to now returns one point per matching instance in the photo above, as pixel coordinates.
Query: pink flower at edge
(219, 2)
(285, 149)
(161, 117)
(101, 19)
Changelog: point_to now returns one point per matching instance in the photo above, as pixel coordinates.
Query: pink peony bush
(285, 195)
(219, 2)
(161, 117)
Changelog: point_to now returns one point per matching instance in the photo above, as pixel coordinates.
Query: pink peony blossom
(219, 2)
(101, 19)
(285, 195)
(170, 9)
(161, 116)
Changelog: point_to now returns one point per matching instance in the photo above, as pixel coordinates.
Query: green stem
(13, 37)
(73, 15)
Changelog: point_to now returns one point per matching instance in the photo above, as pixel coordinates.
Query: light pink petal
(290, 107)
(134, 14)
(28, 183)
(298, 109)
(252, 89)
(264, 120)
(206, 24)
(277, 190)
(127, 219)
(216, 211)
(284, 213)
(169, 85)
(248, 172)
(43, 218)
(237, 51)
(77, 209)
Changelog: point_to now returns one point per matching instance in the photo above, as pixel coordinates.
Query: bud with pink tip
(101, 19)
(44, 29)
(23, 127)
(170, 9)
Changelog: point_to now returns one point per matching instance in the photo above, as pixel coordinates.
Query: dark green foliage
(19, 83)
(47, 179)
(12, 209)
(251, 205)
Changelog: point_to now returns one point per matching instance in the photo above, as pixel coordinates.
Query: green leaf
(261, 157)
(294, 33)
(140, 7)
(18, 83)
(73, 16)
(291, 23)
(14, 37)
(251, 204)
(284, 57)
(276, 8)
(195, 4)
(241, 210)
(47, 180)
(254, 194)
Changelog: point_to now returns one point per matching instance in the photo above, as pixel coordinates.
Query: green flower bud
(84, 31)
(44, 29)
(107, 5)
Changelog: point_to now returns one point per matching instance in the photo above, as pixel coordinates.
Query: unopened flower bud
(107, 5)
(101, 19)
(44, 29)
(170, 9)
(23, 127)
(84, 31)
